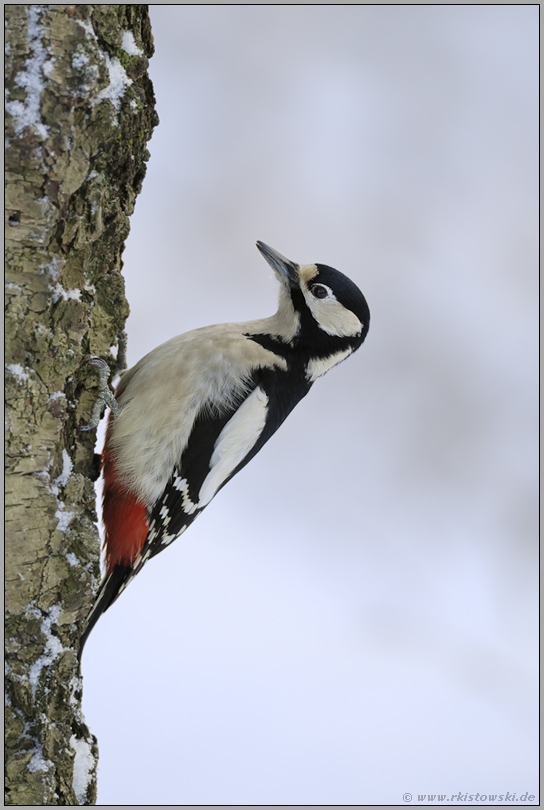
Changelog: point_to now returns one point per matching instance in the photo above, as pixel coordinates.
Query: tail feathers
(112, 586)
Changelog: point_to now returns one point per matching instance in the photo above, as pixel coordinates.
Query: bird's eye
(319, 291)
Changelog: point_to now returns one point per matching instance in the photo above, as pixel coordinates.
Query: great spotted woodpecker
(189, 415)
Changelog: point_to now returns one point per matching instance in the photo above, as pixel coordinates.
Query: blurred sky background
(355, 615)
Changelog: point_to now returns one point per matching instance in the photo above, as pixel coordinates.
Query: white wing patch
(234, 442)
(317, 367)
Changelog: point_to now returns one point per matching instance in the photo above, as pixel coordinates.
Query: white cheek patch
(316, 368)
(332, 317)
(234, 443)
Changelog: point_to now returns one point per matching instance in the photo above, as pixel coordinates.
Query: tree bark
(80, 109)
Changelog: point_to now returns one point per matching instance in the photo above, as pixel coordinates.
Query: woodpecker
(192, 413)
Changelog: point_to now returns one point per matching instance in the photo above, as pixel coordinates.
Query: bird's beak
(284, 268)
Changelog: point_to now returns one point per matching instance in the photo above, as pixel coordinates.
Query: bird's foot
(105, 396)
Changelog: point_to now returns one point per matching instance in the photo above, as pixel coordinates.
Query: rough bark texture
(80, 109)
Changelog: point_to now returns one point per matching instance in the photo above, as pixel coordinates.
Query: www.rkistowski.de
(471, 797)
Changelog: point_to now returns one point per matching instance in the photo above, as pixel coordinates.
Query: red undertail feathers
(125, 517)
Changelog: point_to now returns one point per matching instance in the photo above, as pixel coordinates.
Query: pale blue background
(355, 615)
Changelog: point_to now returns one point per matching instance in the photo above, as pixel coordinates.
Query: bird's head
(330, 309)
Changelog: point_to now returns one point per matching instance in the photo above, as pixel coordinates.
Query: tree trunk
(80, 111)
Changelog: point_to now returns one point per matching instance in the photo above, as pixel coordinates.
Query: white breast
(162, 395)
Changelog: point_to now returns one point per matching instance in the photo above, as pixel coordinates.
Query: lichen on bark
(80, 110)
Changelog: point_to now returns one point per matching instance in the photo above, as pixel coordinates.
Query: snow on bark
(79, 110)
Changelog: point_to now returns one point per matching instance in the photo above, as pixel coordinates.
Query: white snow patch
(89, 72)
(83, 767)
(38, 762)
(73, 560)
(65, 518)
(52, 268)
(87, 27)
(67, 467)
(53, 648)
(57, 395)
(18, 371)
(27, 113)
(80, 59)
(11, 286)
(119, 81)
(66, 295)
(62, 479)
(129, 45)
(75, 684)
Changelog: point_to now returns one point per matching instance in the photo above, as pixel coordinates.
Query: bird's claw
(105, 396)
